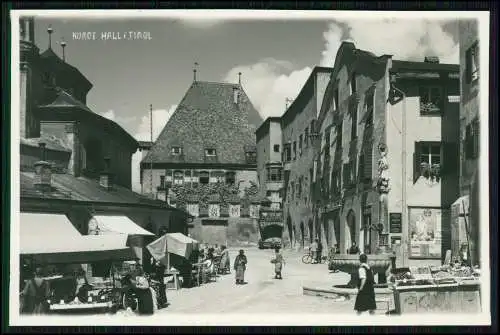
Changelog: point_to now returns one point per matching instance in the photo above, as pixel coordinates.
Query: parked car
(270, 243)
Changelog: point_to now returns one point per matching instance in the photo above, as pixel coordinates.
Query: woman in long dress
(35, 294)
(365, 300)
(240, 265)
(225, 262)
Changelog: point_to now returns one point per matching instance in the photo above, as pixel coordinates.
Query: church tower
(29, 126)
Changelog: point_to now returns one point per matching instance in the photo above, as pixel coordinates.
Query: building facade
(298, 126)
(205, 160)
(74, 162)
(383, 180)
(467, 219)
(269, 165)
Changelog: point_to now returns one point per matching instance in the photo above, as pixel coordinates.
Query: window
(427, 159)
(431, 100)
(176, 150)
(306, 137)
(327, 140)
(294, 150)
(472, 140)
(210, 152)
(349, 174)
(472, 63)
(354, 124)
(353, 83)
(430, 153)
(204, 177)
(288, 152)
(276, 148)
(268, 193)
(336, 99)
(178, 177)
(274, 174)
(162, 182)
(230, 178)
(300, 145)
(251, 157)
(369, 100)
(339, 136)
(299, 188)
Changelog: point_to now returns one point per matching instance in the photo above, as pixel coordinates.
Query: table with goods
(447, 288)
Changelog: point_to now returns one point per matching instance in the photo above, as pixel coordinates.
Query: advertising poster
(425, 232)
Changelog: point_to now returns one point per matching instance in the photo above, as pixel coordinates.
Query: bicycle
(308, 258)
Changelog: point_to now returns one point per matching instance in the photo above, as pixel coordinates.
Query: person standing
(314, 250)
(35, 294)
(240, 265)
(365, 300)
(278, 262)
(225, 262)
(320, 251)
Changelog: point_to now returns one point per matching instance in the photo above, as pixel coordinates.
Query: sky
(275, 58)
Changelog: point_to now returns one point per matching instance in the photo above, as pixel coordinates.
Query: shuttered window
(425, 153)
(368, 161)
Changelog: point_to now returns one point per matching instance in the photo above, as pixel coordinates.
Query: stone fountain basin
(350, 263)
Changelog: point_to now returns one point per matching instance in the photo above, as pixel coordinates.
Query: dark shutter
(468, 66)
(168, 173)
(475, 138)
(450, 159)
(416, 161)
(361, 167)
(345, 175)
(468, 141)
(368, 161)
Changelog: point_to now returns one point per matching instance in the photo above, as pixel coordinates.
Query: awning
(175, 243)
(108, 224)
(88, 249)
(40, 232)
(52, 238)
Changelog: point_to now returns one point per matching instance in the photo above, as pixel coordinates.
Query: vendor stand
(172, 243)
(449, 288)
(99, 294)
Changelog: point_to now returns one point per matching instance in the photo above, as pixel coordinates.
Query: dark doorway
(326, 229)
(336, 227)
(367, 235)
(302, 233)
(290, 229)
(351, 228)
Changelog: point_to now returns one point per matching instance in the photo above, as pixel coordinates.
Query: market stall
(172, 243)
(449, 288)
(52, 242)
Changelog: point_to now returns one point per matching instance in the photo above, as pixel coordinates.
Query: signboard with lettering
(395, 223)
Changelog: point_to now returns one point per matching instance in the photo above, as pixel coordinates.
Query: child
(278, 262)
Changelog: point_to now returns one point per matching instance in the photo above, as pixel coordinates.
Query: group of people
(316, 249)
(209, 254)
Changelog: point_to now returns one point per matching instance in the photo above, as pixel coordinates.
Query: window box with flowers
(431, 171)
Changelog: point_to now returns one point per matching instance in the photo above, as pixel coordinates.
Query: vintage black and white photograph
(241, 167)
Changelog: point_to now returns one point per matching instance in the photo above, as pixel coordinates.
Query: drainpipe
(404, 215)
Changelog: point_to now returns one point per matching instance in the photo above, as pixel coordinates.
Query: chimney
(431, 59)
(105, 178)
(236, 94)
(43, 172)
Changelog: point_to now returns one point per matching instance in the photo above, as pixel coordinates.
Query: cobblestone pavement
(262, 293)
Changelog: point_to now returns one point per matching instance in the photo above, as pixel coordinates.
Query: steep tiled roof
(64, 99)
(56, 65)
(69, 187)
(208, 118)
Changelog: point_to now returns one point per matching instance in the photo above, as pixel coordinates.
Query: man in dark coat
(240, 265)
(365, 300)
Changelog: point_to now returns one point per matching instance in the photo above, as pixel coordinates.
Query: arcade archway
(302, 233)
(350, 228)
(311, 230)
(290, 229)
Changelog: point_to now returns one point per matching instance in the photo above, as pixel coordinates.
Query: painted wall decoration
(425, 232)
(234, 211)
(213, 210)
